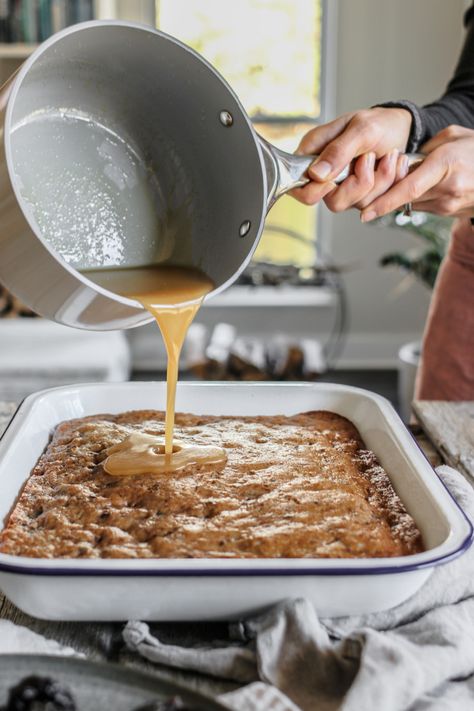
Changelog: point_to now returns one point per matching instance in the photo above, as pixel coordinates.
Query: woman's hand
(362, 137)
(443, 184)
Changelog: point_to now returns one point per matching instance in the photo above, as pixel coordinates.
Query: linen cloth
(418, 656)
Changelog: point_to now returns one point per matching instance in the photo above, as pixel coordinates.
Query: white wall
(387, 49)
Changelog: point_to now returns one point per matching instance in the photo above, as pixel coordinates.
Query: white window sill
(274, 296)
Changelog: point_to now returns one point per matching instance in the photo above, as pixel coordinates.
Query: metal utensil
(123, 147)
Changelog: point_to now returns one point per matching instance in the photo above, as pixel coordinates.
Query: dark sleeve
(456, 106)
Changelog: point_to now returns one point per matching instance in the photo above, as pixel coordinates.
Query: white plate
(186, 589)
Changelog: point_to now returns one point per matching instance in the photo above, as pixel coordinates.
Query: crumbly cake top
(301, 486)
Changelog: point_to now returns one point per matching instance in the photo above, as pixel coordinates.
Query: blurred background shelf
(16, 50)
(274, 296)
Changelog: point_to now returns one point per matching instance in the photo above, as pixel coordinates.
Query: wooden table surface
(451, 429)
(103, 641)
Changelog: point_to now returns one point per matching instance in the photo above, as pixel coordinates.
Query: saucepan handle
(286, 170)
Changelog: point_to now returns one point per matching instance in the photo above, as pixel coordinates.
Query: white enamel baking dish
(183, 589)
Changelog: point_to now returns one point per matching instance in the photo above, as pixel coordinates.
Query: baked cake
(293, 487)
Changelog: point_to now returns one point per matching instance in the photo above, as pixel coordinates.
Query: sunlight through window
(270, 53)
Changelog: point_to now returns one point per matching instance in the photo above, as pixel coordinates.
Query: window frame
(328, 94)
(323, 84)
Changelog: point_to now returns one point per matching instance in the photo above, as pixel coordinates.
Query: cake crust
(303, 486)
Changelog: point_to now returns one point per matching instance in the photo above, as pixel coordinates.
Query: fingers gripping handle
(414, 160)
(285, 171)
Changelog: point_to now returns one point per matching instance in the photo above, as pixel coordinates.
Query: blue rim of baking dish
(251, 572)
(239, 572)
(463, 546)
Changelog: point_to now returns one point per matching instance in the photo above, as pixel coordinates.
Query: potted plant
(422, 263)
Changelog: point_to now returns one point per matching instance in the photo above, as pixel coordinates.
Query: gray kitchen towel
(15, 639)
(418, 656)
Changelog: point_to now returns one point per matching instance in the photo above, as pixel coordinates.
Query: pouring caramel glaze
(173, 296)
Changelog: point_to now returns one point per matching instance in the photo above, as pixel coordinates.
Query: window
(270, 53)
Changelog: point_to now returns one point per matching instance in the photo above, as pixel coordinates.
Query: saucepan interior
(120, 157)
